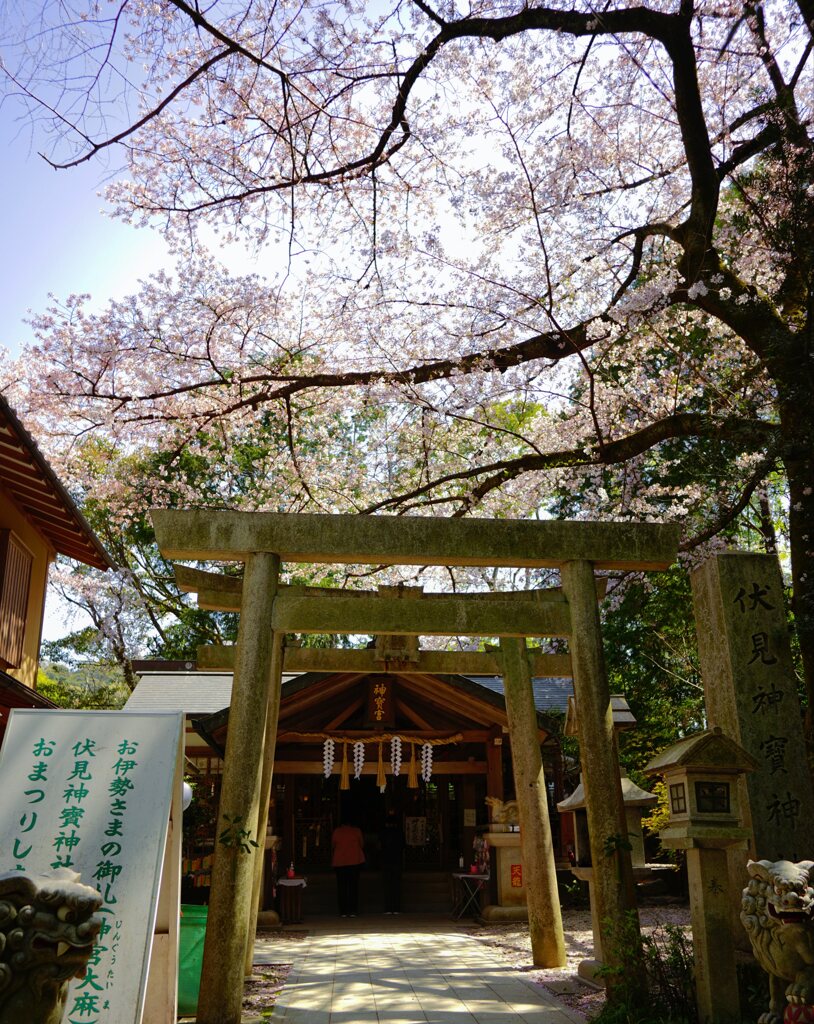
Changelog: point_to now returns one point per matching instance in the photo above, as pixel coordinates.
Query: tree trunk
(797, 433)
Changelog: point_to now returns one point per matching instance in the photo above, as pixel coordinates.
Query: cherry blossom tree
(519, 241)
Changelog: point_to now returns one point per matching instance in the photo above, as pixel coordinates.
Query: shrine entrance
(441, 809)
(269, 611)
(430, 816)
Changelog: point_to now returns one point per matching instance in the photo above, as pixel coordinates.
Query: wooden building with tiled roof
(38, 520)
(463, 717)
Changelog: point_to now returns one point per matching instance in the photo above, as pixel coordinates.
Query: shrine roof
(14, 694)
(198, 693)
(194, 693)
(550, 695)
(711, 749)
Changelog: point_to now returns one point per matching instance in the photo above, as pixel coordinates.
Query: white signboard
(91, 791)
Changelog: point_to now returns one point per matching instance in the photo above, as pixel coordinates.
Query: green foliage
(658, 819)
(652, 659)
(668, 993)
(753, 989)
(669, 996)
(73, 649)
(90, 687)
(574, 894)
(235, 836)
(659, 816)
(613, 844)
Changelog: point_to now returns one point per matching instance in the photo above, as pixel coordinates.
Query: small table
(291, 899)
(466, 893)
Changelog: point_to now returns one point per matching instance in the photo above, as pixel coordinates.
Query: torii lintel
(412, 540)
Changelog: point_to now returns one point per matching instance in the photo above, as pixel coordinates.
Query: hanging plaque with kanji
(381, 709)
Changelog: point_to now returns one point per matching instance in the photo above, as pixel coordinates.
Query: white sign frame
(121, 770)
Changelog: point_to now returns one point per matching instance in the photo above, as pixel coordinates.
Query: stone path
(400, 970)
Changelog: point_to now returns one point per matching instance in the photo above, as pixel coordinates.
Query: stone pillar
(716, 980)
(750, 692)
(267, 775)
(613, 886)
(545, 921)
(222, 976)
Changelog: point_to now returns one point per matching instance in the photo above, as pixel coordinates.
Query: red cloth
(798, 1014)
(348, 846)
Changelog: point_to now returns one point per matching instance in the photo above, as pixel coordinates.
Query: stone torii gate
(267, 611)
(402, 655)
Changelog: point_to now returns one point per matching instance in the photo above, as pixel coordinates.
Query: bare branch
(97, 147)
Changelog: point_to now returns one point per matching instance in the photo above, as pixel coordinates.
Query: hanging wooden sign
(381, 707)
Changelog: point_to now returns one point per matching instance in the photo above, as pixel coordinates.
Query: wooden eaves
(28, 480)
(212, 728)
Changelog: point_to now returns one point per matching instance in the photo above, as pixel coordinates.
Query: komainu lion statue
(48, 925)
(506, 813)
(777, 914)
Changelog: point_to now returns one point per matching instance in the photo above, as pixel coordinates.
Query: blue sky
(55, 235)
(56, 239)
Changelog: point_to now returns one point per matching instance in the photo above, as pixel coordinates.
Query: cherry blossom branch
(97, 147)
(553, 345)
(747, 432)
(729, 513)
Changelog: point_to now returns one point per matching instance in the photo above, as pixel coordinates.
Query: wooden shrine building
(464, 722)
(463, 718)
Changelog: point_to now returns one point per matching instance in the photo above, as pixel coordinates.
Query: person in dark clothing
(392, 842)
(348, 856)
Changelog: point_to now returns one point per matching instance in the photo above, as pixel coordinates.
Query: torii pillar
(613, 888)
(542, 896)
(221, 992)
(266, 777)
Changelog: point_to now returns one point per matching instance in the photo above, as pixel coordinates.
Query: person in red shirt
(347, 858)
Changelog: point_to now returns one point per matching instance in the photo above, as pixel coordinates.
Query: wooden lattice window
(678, 798)
(16, 562)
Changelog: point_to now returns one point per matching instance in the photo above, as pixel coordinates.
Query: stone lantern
(635, 801)
(701, 774)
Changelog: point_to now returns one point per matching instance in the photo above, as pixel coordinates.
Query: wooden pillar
(468, 831)
(445, 851)
(286, 854)
(494, 764)
(267, 775)
(613, 887)
(545, 921)
(224, 956)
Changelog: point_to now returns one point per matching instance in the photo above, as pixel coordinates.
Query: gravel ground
(262, 989)
(511, 942)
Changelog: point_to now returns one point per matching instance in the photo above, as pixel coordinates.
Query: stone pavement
(400, 970)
